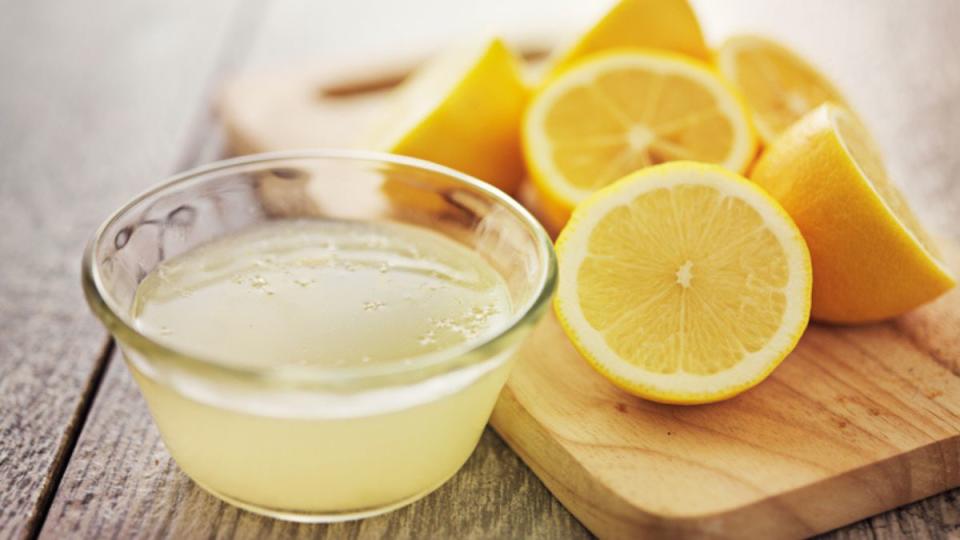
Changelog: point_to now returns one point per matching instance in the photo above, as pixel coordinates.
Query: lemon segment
(683, 283)
(463, 110)
(655, 24)
(872, 258)
(620, 111)
(778, 85)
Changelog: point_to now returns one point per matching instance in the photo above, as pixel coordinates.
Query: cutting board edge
(760, 518)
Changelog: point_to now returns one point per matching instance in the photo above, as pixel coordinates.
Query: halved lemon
(656, 24)
(624, 110)
(872, 258)
(683, 283)
(462, 109)
(777, 84)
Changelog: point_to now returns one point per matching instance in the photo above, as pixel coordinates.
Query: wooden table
(97, 103)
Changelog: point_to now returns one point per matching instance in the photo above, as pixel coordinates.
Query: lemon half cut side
(683, 283)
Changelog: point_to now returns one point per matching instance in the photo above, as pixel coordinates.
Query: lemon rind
(832, 112)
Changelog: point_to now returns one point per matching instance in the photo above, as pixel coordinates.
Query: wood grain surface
(97, 103)
(857, 420)
(122, 483)
(92, 109)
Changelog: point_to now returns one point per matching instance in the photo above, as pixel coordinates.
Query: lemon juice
(324, 296)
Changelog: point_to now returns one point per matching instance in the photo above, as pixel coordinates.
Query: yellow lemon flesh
(462, 110)
(777, 84)
(655, 24)
(872, 258)
(621, 111)
(683, 283)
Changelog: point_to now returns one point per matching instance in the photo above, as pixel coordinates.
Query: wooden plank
(930, 519)
(900, 67)
(121, 480)
(856, 421)
(93, 107)
(263, 113)
(123, 483)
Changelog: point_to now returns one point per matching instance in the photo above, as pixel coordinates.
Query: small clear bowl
(309, 443)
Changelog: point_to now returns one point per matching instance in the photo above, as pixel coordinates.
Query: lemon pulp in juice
(328, 294)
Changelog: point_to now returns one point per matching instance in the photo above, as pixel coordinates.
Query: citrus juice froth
(325, 294)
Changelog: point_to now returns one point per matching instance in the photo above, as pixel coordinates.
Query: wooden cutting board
(856, 421)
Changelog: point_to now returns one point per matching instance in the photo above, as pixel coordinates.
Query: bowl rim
(124, 331)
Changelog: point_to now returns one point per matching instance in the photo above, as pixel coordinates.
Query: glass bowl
(311, 443)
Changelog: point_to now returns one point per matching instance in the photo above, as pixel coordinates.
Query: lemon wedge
(656, 24)
(872, 258)
(463, 110)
